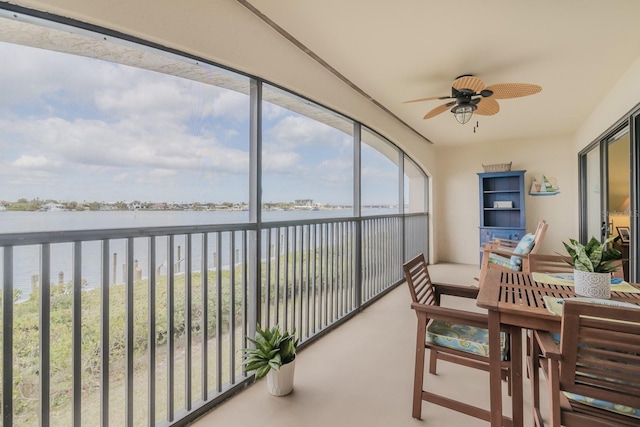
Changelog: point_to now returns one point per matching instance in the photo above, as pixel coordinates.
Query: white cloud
(271, 112)
(37, 77)
(297, 131)
(336, 170)
(34, 162)
(127, 144)
(230, 104)
(372, 174)
(280, 162)
(76, 128)
(149, 99)
(162, 173)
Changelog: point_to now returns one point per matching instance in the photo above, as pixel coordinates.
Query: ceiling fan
(472, 96)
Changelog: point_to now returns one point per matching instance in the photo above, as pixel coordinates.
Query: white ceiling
(406, 49)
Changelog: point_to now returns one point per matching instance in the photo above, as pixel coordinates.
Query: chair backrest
(541, 230)
(544, 263)
(600, 349)
(518, 262)
(417, 277)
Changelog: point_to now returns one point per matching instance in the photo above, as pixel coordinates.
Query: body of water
(26, 264)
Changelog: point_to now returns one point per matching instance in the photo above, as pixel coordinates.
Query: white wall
(623, 97)
(456, 186)
(456, 183)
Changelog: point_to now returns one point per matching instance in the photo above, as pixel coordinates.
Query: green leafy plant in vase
(592, 265)
(273, 356)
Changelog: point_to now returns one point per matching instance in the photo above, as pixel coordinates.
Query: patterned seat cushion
(465, 338)
(613, 407)
(503, 262)
(514, 262)
(524, 247)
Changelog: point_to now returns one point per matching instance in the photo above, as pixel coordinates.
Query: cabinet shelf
(504, 223)
(501, 191)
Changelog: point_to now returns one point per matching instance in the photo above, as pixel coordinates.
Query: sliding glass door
(594, 217)
(605, 172)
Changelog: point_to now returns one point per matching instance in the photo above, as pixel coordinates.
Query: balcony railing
(159, 340)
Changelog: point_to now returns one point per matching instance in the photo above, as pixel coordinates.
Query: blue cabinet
(502, 213)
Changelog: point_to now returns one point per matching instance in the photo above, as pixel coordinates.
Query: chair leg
(529, 338)
(433, 361)
(554, 392)
(533, 368)
(419, 368)
(506, 377)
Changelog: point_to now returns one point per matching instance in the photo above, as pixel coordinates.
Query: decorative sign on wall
(544, 187)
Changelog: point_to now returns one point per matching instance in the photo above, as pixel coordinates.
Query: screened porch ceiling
(401, 50)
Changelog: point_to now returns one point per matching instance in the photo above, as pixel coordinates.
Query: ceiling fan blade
(513, 90)
(426, 99)
(468, 82)
(439, 109)
(487, 107)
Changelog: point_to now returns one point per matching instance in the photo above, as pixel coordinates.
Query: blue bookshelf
(502, 210)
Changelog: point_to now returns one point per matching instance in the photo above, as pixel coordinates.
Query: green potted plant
(273, 355)
(592, 264)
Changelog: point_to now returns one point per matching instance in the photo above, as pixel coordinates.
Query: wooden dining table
(517, 300)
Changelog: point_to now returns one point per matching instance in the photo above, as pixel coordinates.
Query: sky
(79, 129)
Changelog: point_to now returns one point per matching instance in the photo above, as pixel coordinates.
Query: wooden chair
(541, 230)
(450, 334)
(545, 263)
(594, 374)
(502, 254)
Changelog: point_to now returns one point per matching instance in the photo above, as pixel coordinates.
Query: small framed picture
(624, 234)
(503, 204)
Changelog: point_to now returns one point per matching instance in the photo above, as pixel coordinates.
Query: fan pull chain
(476, 127)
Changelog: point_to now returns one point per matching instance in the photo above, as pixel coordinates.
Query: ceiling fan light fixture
(463, 112)
(467, 91)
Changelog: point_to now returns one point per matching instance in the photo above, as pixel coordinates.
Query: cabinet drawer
(488, 234)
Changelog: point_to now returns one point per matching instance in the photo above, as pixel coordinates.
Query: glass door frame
(631, 121)
(634, 199)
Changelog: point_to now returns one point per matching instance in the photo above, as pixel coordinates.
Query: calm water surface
(26, 258)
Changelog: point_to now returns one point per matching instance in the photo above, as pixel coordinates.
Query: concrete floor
(361, 374)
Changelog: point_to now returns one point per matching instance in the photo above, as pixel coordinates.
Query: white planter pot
(280, 382)
(594, 285)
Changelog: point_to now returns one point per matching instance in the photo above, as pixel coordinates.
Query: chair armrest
(505, 242)
(502, 251)
(452, 315)
(456, 290)
(547, 345)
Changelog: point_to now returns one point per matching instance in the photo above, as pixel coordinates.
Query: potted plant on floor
(592, 264)
(273, 355)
